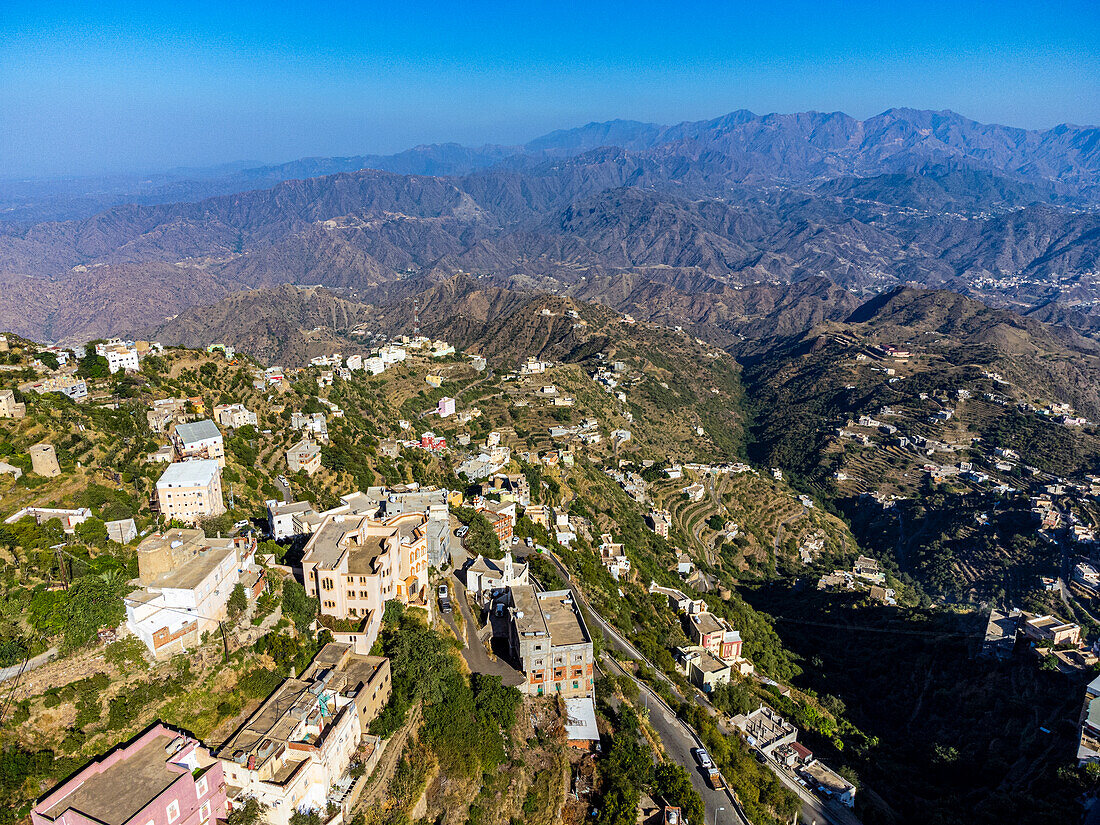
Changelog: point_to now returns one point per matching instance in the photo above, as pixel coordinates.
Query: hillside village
(225, 564)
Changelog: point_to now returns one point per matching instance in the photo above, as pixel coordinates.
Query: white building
(234, 416)
(191, 490)
(119, 355)
(186, 580)
(199, 440)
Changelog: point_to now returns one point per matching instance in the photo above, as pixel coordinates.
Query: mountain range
(672, 219)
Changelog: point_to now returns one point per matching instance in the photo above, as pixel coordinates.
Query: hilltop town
(407, 580)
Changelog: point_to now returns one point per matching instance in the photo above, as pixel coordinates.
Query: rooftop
(827, 777)
(706, 622)
(197, 473)
(290, 508)
(120, 791)
(709, 663)
(197, 431)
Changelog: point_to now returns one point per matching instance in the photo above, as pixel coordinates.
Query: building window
(173, 810)
(201, 786)
(204, 812)
(326, 584)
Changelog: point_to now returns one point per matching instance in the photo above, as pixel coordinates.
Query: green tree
(237, 601)
(92, 365)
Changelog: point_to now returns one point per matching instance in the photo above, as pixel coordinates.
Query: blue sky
(123, 87)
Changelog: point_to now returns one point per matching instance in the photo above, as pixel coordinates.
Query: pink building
(163, 777)
(445, 407)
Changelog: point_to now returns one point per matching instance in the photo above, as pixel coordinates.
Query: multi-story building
(119, 355)
(186, 580)
(1049, 630)
(9, 407)
(305, 455)
(502, 516)
(294, 753)
(289, 519)
(311, 423)
(234, 416)
(432, 504)
(199, 439)
(487, 578)
(353, 564)
(44, 460)
(73, 388)
(164, 777)
(705, 670)
(167, 411)
(191, 490)
(661, 521)
(714, 634)
(550, 642)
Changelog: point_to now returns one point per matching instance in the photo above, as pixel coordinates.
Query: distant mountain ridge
(928, 198)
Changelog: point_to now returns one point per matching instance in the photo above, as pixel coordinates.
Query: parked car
(462, 531)
(444, 594)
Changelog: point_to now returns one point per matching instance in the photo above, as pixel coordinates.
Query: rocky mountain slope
(920, 197)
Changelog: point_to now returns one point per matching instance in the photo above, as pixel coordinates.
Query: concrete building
(199, 439)
(119, 355)
(829, 782)
(432, 504)
(1000, 634)
(294, 753)
(305, 456)
(122, 530)
(445, 408)
(75, 389)
(234, 416)
(68, 518)
(163, 777)
(289, 519)
(765, 729)
(550, 642)
(167, 411)
(44, 460)
(354, 564)
(9, 407)
(1050, 631)
(705, 670)
(487, 578)
(10, 469)
(714, 634)
(185, 582)
(191, 490)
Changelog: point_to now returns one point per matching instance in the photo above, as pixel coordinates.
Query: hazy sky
(105, 87)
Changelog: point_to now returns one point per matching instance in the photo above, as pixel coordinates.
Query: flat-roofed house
(1050, 630)
(551, 643)
(191, 490)
(714, 634)
(199, 439)
(293, 753)
(305, 456)
(234, 416)
(185, 582)
(163, 776)
(354, 564)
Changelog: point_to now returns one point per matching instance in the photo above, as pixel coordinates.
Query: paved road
(679, 740)
(35, 662)
(814, 810)
(284, 490)
(473, 651)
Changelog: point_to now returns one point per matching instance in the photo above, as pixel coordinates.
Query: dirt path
(375, 791)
